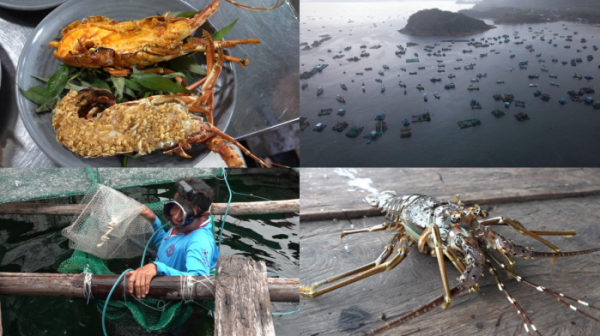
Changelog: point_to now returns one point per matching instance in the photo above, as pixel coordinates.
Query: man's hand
(140, 280)
(148, 214)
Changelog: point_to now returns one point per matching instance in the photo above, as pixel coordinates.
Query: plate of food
(113, 83)
(30, 5)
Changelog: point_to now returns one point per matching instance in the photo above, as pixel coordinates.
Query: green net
(150, 314)
(23, 184)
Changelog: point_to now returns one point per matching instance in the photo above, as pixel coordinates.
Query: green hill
(435, 22)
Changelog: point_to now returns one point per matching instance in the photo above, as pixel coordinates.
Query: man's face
(176, 213)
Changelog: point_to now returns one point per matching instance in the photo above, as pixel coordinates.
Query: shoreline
(403, 31)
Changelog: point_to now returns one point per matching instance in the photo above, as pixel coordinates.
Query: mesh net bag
(110, 226)
(135, 315)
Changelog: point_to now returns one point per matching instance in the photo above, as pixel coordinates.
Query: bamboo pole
(238, 208)
(161, 287)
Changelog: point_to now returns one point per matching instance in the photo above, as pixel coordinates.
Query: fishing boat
(469, 123)
(498, 113)
(421, 68)
(480, 74)
(451, 76)
(565, 62)
(354, 131)
(340, 99)
(562, 101)
(341, 112)
(588, 77)
(475, 105)
(499, 81)
(497, 96)
(405, 122)
(343, 87)
(450, 86)
(319, 127)
(381, 72)
(304, 85)
(436, 95)
(382, 88)
(578, 76)
(319, 90)
(421, 117)
(537, 93)
(340, 126)
(508, 97)
(521, 116)
(554, 84)
(441, 70)
(588, 89)
(425, 96)
(326, 111)
(386, 67)
(473, 87)
(405, 132)
(435, 79)
(403, 69)
(513, 56)
(534, 76)
(402, 84)
(420, 87)
(363, 89)
(596, 104)
(589, 100)
(378, 80)
(545, 97)
(457, 68)
(590, 57)
(347, 48)
(380, 116)
(519, 103)
(359, 73)
(475, 80)
(544, 68)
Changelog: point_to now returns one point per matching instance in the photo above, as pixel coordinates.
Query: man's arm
(197, 262)
(160, 234)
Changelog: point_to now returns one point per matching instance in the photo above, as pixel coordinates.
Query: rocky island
(435, 22)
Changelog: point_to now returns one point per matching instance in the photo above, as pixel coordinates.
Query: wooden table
(360, 306)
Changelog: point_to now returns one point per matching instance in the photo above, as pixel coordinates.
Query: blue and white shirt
(193, 253)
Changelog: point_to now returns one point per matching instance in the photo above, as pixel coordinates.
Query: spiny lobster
(449, 229)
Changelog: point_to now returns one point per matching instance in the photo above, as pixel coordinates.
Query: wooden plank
(161, 287)
(242, 305)
(359, 307)
(237, 208)
(339, 193)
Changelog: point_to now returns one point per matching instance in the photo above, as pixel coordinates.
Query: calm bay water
(555, 135)
(34, 243)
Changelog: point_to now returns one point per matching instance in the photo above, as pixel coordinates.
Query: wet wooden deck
(361, 306)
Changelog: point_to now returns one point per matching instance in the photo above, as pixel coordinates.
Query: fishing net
(149, 315)
(110, 226)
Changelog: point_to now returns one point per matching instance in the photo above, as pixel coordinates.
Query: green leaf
(100, 84)
(129, 92)
(184, 14)
(186, 63)
(119, 83)
(133, 85)
(48, 105)
(221, 33)
(158, 83)
(45, 80)
(174, 74)
(37, 94)
(58, 80)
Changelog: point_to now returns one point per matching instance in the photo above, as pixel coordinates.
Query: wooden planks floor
(360, 307)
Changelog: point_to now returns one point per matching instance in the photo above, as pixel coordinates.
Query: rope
(87, 285)
(108, 299)
(226, 209)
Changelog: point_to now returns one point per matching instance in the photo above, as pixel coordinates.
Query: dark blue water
(555, 135)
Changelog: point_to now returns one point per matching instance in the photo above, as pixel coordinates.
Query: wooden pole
(161, 287)
(242, 305)
(365, 210)
(238, 208)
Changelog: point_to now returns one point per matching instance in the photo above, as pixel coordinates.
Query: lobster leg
(363, 272)
(380, 227)
(437, 242)
(237, 144)
(454, 292)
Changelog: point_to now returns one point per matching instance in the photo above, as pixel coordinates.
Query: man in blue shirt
(189, 247)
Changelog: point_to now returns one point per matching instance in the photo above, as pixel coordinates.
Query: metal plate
(38, 59)
(30, 5)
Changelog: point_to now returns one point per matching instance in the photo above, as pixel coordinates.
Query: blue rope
(287, 313)
(226, 210)
(108, 299)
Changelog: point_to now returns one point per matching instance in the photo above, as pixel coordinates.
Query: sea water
(555, 135)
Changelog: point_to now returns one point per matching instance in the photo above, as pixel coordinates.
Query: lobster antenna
(557, 296)
(562, 254)
(256, 9)
(522, 314)
(415, 313)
